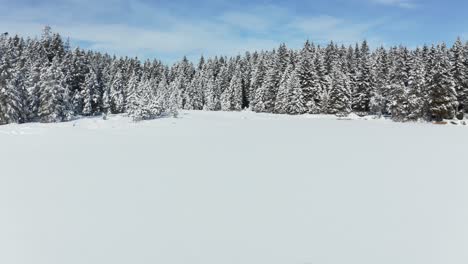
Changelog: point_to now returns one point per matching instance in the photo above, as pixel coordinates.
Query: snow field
(218, 187)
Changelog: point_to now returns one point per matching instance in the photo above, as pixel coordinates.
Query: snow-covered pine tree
(460, 73)
(256, 82)
(351, 68)
(11, 98)
(246, 64)
(171, 106)
(132, 89)
(265, 96)
(52, 44)
(283, 95)
(106, 101)
(134, 109)
(212, 101)
(283, 59)
(32, 89)
(465, 103)
(212, 93)
(116, 96)
(53, 100)
(146, 105)
(183, 72)
(77, 70)
(194, 92)
(167, 97)
(443, 97)
(378, 103)
(46, 39)
(398, 88)
(295, 104)
(418, 102)
(399, 102)
(330, 54)
(323, 81)
(309, 78)
(90, 94)
(340, 93)
(231, 98)
(364, 82)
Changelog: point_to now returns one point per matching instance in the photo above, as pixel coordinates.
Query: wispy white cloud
(245, 21)
(146, 31)
(409, 4)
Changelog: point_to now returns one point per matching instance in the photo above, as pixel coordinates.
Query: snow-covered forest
(44, 80)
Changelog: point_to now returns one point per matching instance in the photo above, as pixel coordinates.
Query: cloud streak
(139, 29)
(408, 4)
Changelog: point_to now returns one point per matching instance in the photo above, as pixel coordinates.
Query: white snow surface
(233, 188)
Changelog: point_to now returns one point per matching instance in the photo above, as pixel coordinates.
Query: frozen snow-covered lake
(233, 188)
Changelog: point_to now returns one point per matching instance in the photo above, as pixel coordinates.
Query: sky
(170, 29)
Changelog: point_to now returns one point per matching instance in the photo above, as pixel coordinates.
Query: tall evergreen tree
(443, 97)
(295, 104)
(283, 95)
(379, 95)
(256, 82)
(53, 100)
(116, 96)
(460, 73)
(90, 94)
(340, 93)
(265, 96)
(309, 78)
(11, 103)
(418, 101)
(364, 82)
(231, 98)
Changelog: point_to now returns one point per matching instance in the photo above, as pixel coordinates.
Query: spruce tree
(443, 97)
(399, 103)
(398, 87)
(309, 78)
(364, 83)
(146, 105)
(53, 100)
(265, 96)
(418, 103)
(211, 90)
(116, 96)
(320, 90)
(212, 102)
(379, 95)
(295, 104)
(465, 102)
(256, 82)
(90, 94)
(132, 89)
(340, 93)
(460, 73)
(231, 98)
(282, 97)
(194, 92)
(246, 65)
(11, 103)
(33, 89)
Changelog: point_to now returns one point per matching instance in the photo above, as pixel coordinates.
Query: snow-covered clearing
(225, 188)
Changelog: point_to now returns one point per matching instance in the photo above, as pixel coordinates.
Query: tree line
(44, 80)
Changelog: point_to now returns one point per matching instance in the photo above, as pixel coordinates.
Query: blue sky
(169, 30)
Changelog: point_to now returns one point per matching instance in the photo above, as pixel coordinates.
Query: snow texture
(233, 187)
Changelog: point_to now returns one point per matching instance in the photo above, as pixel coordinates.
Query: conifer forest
(45, 80)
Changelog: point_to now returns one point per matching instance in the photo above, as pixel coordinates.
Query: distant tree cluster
(44, 80)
